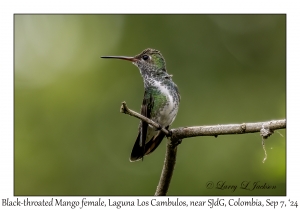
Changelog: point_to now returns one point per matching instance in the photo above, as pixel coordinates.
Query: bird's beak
(132, 59)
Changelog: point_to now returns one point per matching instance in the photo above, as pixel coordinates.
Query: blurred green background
(71, 139)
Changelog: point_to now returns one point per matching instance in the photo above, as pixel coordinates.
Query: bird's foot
(169, 133)
(159, 127)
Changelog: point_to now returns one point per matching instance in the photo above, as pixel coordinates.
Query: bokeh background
(71, 139)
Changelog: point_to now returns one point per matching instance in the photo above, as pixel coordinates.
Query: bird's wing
(138, 150)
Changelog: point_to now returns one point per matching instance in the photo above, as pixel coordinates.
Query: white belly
(168, 113)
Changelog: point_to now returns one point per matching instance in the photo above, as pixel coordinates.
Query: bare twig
(124, 109)
(177, 134)
(210, 130)
(215, 130)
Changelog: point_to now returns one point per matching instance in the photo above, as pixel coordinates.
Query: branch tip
(124, 108)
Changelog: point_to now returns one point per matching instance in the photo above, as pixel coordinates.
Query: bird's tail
(138, 152)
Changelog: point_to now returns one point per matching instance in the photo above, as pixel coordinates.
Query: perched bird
(160, 102)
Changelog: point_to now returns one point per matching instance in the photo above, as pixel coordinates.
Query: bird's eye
(145, 57)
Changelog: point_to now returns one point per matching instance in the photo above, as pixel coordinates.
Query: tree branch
(168, 168)
(177, 134)
(124, 109)
(215, 130)
(209, 130)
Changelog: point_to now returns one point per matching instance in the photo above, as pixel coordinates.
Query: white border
(8, 8)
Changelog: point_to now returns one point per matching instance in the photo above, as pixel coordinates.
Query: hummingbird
(160, 102)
